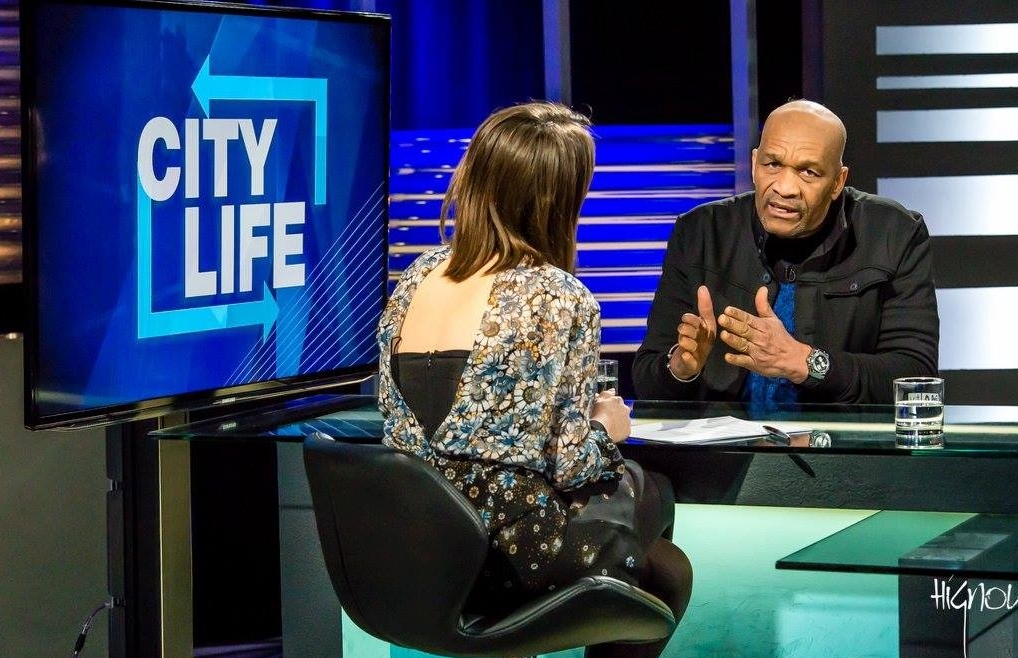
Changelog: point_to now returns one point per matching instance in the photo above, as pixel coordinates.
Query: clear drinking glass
(919, 412)
(607, 375)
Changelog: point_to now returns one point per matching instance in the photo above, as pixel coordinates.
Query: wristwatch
(818, 363)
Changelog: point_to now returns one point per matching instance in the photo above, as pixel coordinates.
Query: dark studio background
(454, 61)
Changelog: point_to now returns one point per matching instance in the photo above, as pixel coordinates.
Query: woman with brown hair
(489, 348)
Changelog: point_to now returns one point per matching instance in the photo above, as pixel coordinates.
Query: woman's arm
(576, 453)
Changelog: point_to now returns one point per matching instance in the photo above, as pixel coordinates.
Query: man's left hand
(761, 343)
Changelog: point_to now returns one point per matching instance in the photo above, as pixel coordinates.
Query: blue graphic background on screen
(114, 69)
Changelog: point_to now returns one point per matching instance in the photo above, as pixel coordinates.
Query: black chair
(404, 548)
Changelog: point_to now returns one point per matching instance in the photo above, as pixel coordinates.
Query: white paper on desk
(707, 430)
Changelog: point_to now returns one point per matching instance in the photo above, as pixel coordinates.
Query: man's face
(797, 173)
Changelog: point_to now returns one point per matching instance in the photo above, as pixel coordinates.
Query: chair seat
(593, 610)
(404, 549)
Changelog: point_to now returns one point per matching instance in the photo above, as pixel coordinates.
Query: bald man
(803, 290)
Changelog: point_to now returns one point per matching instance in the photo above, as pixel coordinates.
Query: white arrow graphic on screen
(188, 320)
(208, 87)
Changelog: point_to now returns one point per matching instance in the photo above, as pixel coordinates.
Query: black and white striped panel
(929, 94)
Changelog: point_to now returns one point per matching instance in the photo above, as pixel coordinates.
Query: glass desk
(847, 460)
(917, 544)
(346, 417)
(849, 454)
(851, 463)
(852, 429)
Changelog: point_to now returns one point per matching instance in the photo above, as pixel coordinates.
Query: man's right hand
(695, 338)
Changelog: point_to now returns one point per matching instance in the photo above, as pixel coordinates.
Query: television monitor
(205, 204)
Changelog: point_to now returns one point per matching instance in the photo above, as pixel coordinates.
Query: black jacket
(866, 296)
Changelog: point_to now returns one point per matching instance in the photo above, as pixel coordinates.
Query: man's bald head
(820, 115)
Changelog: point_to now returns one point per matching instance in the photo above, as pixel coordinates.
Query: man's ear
(752, 166)
(839, 183)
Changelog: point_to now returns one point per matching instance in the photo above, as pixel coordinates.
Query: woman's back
(445, 314)
(528, 383)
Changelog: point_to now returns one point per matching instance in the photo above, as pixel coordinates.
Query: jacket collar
(839, 239)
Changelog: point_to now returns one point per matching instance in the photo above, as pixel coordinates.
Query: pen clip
(777, 435)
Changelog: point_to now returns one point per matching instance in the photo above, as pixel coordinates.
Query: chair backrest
(402, 545)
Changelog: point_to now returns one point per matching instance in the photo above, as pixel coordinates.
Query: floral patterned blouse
(525, 393)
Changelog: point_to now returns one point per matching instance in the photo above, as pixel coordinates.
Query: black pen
(782, 438)
(777, 435)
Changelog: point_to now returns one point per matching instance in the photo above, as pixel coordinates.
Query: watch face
(819, 362)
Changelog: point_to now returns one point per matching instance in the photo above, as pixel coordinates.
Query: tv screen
(205, 202)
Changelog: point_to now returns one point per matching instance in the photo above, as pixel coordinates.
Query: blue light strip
(644, 178)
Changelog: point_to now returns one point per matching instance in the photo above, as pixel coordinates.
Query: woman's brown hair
(517, 192)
